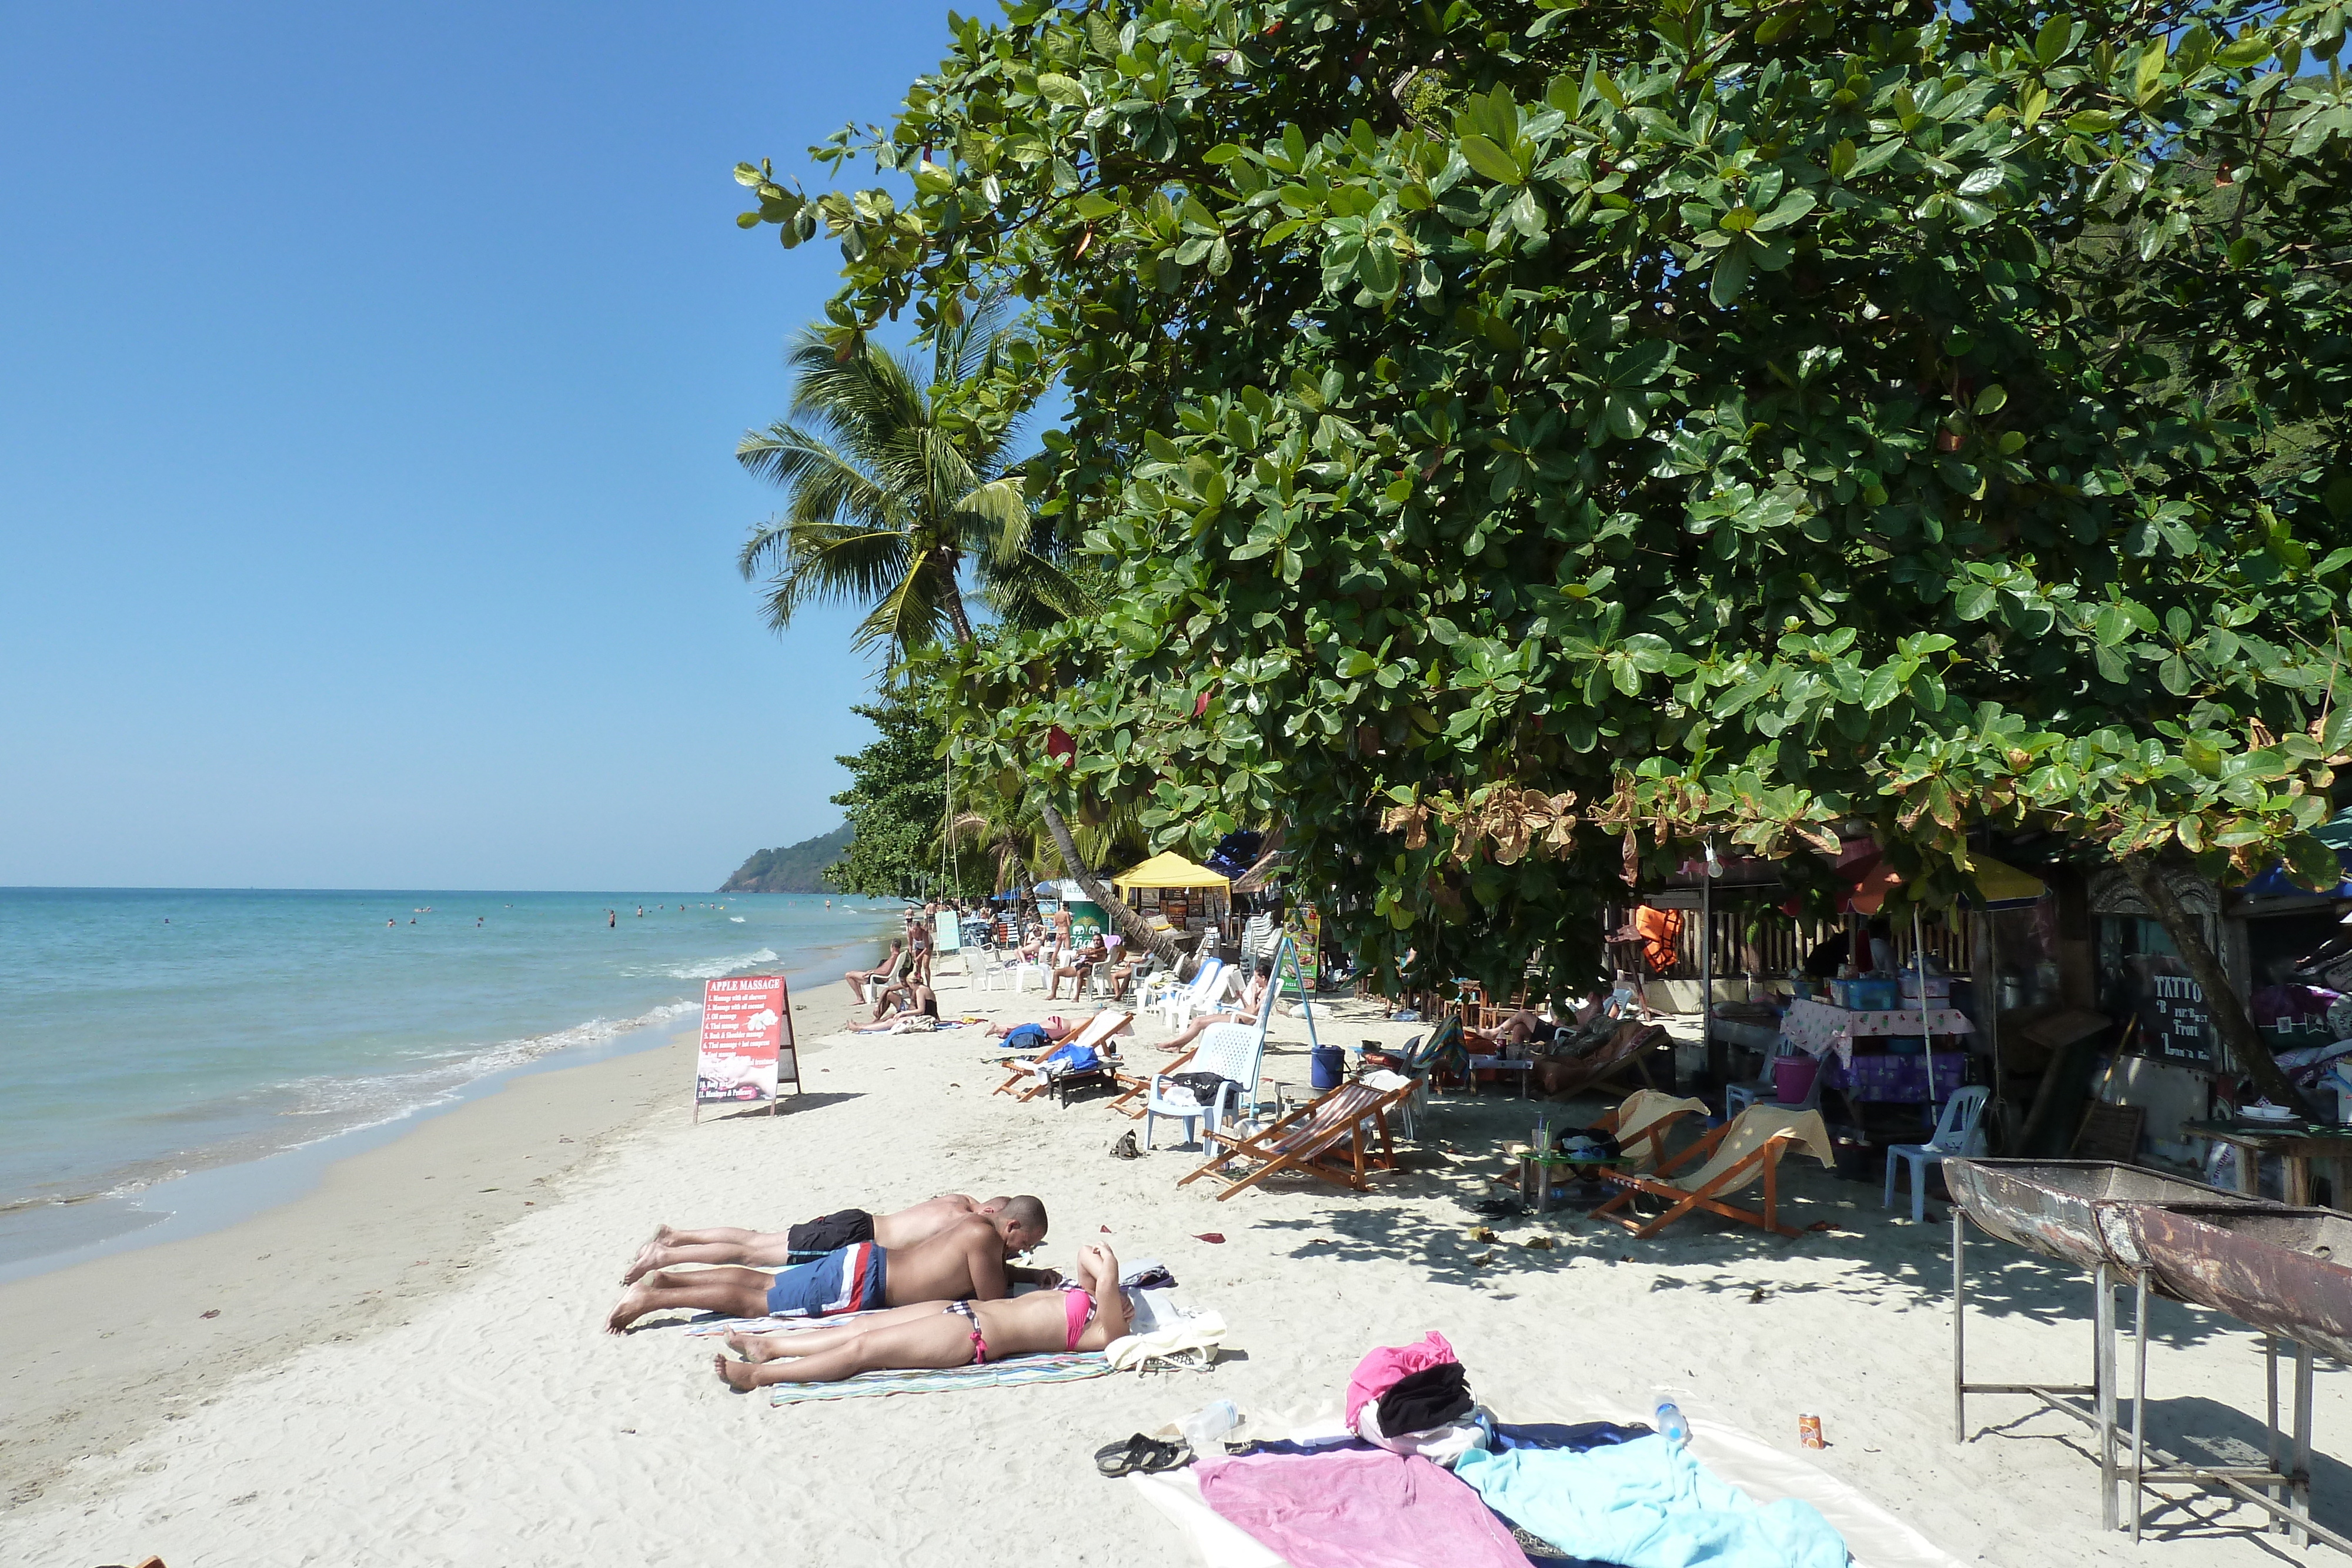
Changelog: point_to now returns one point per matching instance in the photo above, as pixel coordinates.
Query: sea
(170, 1055)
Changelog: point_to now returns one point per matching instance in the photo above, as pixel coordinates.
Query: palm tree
(889, 499)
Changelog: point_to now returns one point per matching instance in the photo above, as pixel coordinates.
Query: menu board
(746, 1043)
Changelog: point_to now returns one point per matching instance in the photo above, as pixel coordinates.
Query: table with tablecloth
(1818, 1028)
(1890, 1078)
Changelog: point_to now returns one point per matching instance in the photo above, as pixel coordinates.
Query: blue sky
(369, 382)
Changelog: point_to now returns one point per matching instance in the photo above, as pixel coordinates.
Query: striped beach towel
(1065, 1366)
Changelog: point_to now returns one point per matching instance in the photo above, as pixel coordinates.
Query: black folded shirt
(1420, 1400)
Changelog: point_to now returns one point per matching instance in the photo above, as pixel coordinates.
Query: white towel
(1195, 1336)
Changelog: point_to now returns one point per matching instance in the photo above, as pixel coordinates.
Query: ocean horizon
(150, 1033)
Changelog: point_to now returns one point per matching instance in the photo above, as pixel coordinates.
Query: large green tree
(1533, 438)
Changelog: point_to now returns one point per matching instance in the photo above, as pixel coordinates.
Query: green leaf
(1841, 159)
(1093, 205)
(1974, 601)
(1992, 399)
(2057, 36)
(1060, 89)
(2176, 676)
(1490, 160)
(1880, 686)
(1377, 268)
(1730, 280)
(1786, 211)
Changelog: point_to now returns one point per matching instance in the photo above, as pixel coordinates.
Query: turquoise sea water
(144, 1034)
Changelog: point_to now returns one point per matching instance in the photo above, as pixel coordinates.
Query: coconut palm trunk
(1163, 945)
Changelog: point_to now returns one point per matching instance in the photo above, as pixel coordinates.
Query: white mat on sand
(1876, 1538)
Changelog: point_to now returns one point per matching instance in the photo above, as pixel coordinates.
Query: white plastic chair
(1231, 1052)
(1957, 1136)
(1177, 1008)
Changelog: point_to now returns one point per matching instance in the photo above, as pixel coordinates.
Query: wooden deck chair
(1735, 1155)
(1641, 1124)
(1097, 1034)
(1308, 1138)
(1626, 1050)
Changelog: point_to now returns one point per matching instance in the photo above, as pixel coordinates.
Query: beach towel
(1647, 1504)
(1357, 1508)
(1065, 1366)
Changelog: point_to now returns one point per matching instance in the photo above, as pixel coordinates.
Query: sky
(370, 377)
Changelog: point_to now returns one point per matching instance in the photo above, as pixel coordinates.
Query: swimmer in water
(612, 918)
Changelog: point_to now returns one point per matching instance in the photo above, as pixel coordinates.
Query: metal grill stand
(2284, 1494)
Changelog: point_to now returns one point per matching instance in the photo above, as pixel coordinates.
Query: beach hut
(1169, 883)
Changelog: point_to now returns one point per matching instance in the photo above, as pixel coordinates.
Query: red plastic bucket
(1792, 1077)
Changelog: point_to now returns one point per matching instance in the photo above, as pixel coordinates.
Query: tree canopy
(1529, 439)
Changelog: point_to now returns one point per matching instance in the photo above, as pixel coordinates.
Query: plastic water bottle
(1667, 1417)
(1209, 1423)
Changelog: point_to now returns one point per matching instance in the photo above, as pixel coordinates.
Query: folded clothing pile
(1415, 1399)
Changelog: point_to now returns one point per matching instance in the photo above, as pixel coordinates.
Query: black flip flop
(1139, 1455)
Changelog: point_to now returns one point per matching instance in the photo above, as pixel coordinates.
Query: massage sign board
(746, 1043)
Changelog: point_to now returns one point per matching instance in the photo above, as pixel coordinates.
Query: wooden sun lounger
(1097, 1034)
(1306, 1140)
(1734, 1155)
(1625, 1051)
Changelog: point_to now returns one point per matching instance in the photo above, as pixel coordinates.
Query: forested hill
(796, 868)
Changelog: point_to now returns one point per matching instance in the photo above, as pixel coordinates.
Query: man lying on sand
(965, 1258)
(940, 1333)
(807, 1243)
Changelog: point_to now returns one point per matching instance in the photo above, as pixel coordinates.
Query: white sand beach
(406, 1365)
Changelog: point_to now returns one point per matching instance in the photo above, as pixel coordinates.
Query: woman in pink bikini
(939, 1334)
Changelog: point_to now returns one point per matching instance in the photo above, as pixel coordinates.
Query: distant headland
(796, 868)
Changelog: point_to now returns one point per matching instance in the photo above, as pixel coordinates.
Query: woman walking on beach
(934, 1335)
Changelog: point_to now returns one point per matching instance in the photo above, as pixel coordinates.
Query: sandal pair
(1140, 1454)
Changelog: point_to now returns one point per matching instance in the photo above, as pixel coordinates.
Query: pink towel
(1357, 1508)
(1380, 1371)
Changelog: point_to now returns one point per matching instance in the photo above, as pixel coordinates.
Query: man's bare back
(924, 1220)
(670, 1246)
(966, 1259)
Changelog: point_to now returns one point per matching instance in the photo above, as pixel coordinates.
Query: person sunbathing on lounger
(1516, 1030)
(806, 1243)
(967, 1259)
(940, 1333)
(1244, 1011)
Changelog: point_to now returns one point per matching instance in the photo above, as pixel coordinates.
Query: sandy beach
(406, 1365)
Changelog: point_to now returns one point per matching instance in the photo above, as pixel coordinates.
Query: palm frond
(996, 521)
(828, 561)
(1030, 592)
(908, 617)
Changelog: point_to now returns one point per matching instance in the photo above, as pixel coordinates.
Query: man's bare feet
(736, 1375)
(626, 1310)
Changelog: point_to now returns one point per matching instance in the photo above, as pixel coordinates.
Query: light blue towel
(1648, 1504)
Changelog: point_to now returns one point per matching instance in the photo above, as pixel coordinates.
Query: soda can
(1809, 1432)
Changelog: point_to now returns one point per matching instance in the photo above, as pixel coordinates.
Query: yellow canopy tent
(1167, 870)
